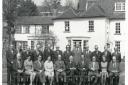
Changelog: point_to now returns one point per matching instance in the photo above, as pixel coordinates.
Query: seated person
(60, 68)
(104, 70)
(83, 68)
(28, 64)
(39, 68)
(93, 67)
(18, 67)
(49, 69)
(114, 69)
(71, 67)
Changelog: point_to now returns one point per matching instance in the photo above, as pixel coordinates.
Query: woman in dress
(49, 69)
(28, 64)
(104, 70)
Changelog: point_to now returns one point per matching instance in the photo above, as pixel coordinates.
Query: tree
(9, 14)
(27, 8)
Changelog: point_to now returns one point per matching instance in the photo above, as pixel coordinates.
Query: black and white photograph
(64, 42)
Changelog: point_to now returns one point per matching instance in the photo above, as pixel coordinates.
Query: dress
(49, 69)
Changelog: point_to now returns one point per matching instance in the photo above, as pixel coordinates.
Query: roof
(68, 14)
(117, 16)
(34, 20)
(94, 11)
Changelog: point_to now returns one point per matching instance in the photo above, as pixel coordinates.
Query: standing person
(60, 69)
(29, 70)
(107, 54)
(10, 56)
(58, 52)
(49, 69)
(26, 53)
(97, 53)
(36, 53)
(77, 53)
(114, 69)
(67, 54)
(117, 54)
(18, 67)
(49, 52)
(39, 68)
(87, 54)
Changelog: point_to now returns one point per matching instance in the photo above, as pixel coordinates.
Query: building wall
(79, 28)
(121, 37)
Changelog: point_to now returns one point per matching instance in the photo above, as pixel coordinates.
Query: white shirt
(48, 66)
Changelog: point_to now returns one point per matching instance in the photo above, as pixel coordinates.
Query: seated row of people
(47, 69)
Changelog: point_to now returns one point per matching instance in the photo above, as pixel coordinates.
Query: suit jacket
(83, 65)
(98, 55)
(18, 66)
(26, 54)
(66, 56)
(71, 65)
(35, 54)
(114, 68)
(118, 56)
(10, 56)
(49, 52)
(96, 66)
(38, 66)
(56, 53)
(107, 55)
(59, 65)
(87, 56)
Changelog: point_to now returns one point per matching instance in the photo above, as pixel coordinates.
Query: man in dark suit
(67, 54)
(87, 54)
(36, 53)
(60, 69)
(10, 56)
(49, 52)
(114, 69)
(117, 54)
(18, 69)
(39, 69)
(97, 54)
(57, 52)
(107, 54)
(26, 53)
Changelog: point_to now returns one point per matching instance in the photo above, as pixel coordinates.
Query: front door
(77, 42)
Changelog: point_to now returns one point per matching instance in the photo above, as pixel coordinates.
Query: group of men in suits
(67, 62)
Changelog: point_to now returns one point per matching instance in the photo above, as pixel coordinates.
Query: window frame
(122, 6)
(118, 45)
(26, 29)
(67, 25)
(18, 29)
(91, 25)
(117, 28)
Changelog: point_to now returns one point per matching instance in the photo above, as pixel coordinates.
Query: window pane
(18, 29)
(91, 26)
(38, 29)
(118, 28)
(117, 44)
(67, 26)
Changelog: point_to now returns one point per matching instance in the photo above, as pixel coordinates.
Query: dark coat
(107, 55)
(83, 65)
(59, 65)
(87, 56)
(26, 54)
(118, 56)
(58, 52)
(66, 56)
(47, 53)
(35, 54)
(10, 56)
(97, 54)
(37, 66)
(18, 66)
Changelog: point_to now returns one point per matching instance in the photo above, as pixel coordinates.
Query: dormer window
(120, 6)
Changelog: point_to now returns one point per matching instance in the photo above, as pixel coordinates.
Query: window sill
(117, 34)
(66, 31)
(91, 31)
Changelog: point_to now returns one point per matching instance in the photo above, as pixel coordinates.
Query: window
(67, 26)
(38, 29)
(120, 6)
(32, 45)
(117, 44)
(24, 44)
(45, 29)
(18, 29)
(25, 29)
(117, 28)
(85, 43)
(91, 26)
